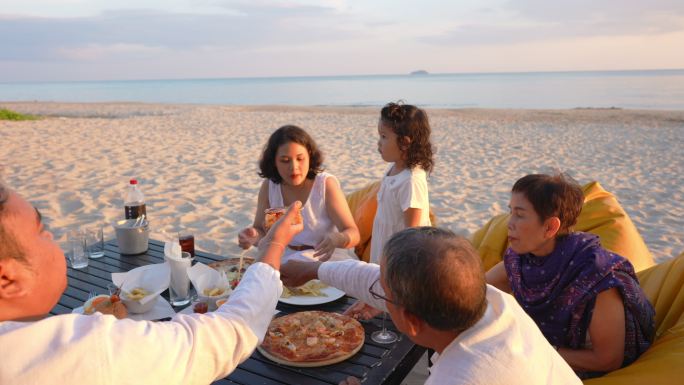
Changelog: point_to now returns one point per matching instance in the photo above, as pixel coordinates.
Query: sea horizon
(661, 89)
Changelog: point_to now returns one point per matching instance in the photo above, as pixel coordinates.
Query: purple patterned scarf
(559, 292)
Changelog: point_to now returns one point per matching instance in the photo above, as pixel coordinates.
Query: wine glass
(384, 336)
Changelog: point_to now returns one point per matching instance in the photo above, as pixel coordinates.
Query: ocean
(644, 89)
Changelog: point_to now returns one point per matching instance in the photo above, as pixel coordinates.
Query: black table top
(374, 363)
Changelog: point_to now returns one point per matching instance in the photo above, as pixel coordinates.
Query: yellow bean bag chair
(663, 362)
(601, 215)
(363, 204)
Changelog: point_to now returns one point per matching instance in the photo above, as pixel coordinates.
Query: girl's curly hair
(412, 123)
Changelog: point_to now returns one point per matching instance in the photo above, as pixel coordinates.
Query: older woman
(586, 300)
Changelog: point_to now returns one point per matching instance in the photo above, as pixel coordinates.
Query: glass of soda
(187, 242)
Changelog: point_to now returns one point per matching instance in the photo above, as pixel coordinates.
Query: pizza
(231, 267)
(272, 215)
(312, 338)
(106, 304)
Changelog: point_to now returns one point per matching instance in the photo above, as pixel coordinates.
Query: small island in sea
(419, 72)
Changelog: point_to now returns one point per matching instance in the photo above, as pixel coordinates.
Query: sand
(197, 164)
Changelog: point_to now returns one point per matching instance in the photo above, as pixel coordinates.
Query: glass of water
(77, 252)
(95, 241)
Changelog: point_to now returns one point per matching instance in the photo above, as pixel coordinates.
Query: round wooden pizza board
(310, 364)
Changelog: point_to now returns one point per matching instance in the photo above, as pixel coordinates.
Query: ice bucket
(132, 239)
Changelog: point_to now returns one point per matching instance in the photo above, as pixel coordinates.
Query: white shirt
(504, 347)
(99, 349)
(398, 193)
(317, 223)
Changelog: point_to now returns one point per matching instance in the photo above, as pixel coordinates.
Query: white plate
(161, 309)
(332, 294)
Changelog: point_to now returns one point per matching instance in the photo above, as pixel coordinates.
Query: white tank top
(315, 217)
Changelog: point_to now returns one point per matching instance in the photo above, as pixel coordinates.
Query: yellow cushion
(663, 362)
(363, 204)
(601, 215)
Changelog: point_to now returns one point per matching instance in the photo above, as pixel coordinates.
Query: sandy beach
(197, 164)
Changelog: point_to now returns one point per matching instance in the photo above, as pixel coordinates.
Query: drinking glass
(77, 253)
(179, 287)
(95, 241)
(384, 336)
(187, 242)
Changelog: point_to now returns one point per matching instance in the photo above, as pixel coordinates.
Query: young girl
(404, 142)
(292, 166)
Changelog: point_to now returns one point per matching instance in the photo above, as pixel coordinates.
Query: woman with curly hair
(292, 166)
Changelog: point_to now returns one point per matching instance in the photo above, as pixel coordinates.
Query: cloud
(612, 11)
(101, 51)
(246, 26)
(537, 20)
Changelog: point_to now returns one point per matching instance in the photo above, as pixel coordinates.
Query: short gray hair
(9, 247)
(437, 276)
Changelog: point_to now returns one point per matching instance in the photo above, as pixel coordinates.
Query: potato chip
(214, 291)
(137, 294)
(311, 289)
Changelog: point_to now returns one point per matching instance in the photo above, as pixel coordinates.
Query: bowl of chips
(134, 302)
(212, 294)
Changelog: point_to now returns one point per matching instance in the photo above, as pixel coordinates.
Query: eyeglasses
(379, 296)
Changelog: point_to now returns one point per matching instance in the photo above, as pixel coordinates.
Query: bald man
(100, 349)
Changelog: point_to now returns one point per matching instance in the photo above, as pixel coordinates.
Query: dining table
(374, 363)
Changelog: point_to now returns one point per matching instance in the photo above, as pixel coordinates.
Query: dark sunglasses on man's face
(375, 295)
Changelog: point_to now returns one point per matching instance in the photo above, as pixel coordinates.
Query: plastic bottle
(134, 201)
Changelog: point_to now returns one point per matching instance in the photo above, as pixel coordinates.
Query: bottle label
(132, 212)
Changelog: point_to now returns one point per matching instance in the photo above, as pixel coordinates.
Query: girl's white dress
(407, 189)
(315, 217)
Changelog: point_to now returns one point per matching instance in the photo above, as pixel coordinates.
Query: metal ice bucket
(132, 239)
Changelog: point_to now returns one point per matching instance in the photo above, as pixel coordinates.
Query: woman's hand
(325, 248)
(362, 311)
(248, 237)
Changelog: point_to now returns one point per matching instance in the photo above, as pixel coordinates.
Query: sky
(45, 40)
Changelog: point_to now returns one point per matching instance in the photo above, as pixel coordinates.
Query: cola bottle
(134, 201)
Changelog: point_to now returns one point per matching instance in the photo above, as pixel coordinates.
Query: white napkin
(178, 266)
(153, 278)
(204, 277)
(172, 250)
(161, 309)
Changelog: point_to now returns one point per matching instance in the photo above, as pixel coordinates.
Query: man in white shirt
(432, 284)
(99, 349)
